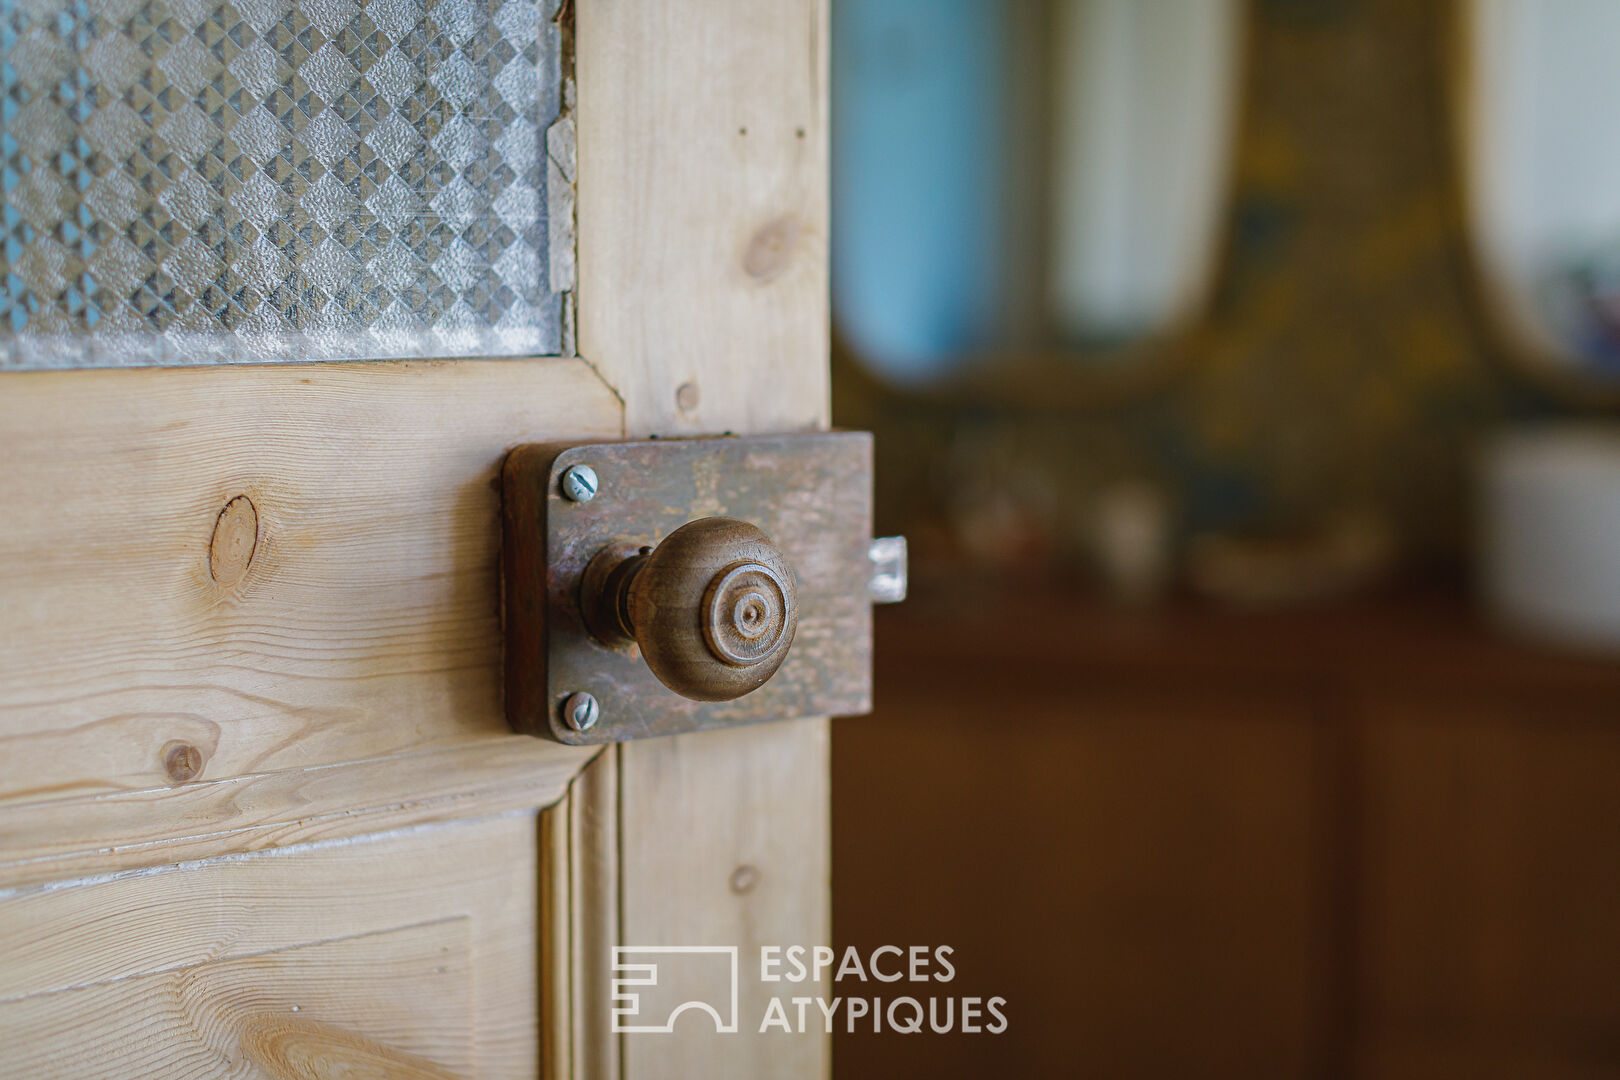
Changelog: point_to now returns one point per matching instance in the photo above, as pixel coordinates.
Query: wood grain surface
(229, 574)
(703, 301)
(409, 953)
(703, 211)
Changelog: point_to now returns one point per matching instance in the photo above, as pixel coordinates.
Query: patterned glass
(191, 181)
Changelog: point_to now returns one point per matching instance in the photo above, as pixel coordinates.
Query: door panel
(413, 950)
(272, 1009)
(217, 578)
(249, 617)
(274, 566)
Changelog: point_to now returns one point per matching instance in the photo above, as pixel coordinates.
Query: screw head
(581, 711)
(579, 483)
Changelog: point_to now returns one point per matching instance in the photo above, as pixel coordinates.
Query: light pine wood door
(261, 814)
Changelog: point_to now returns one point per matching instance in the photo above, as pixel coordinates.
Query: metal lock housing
(582, 576)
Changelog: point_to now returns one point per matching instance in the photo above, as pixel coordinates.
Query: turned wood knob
(713, 607)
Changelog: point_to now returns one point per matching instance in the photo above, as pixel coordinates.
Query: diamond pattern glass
(193, 181)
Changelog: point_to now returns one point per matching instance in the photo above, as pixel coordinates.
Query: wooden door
(261, 813)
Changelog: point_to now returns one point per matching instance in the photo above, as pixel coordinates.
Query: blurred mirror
(1540, 89)
(1019, 180)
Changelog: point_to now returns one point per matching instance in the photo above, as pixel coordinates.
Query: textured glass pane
(189, 181)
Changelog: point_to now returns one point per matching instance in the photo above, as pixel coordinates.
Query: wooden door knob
(713, 607)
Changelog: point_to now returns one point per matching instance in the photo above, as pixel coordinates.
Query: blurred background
(1246, 376)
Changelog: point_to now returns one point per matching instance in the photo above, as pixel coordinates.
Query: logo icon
(685, 977)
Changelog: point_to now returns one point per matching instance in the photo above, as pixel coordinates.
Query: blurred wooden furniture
(1373, 841)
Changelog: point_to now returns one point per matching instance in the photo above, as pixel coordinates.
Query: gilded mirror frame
(1510, 347)
(1067, 379)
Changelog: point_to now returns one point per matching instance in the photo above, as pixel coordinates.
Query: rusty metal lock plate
(811, 493)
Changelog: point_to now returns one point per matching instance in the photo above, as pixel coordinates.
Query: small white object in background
(1550, 533)
(1131, 533)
